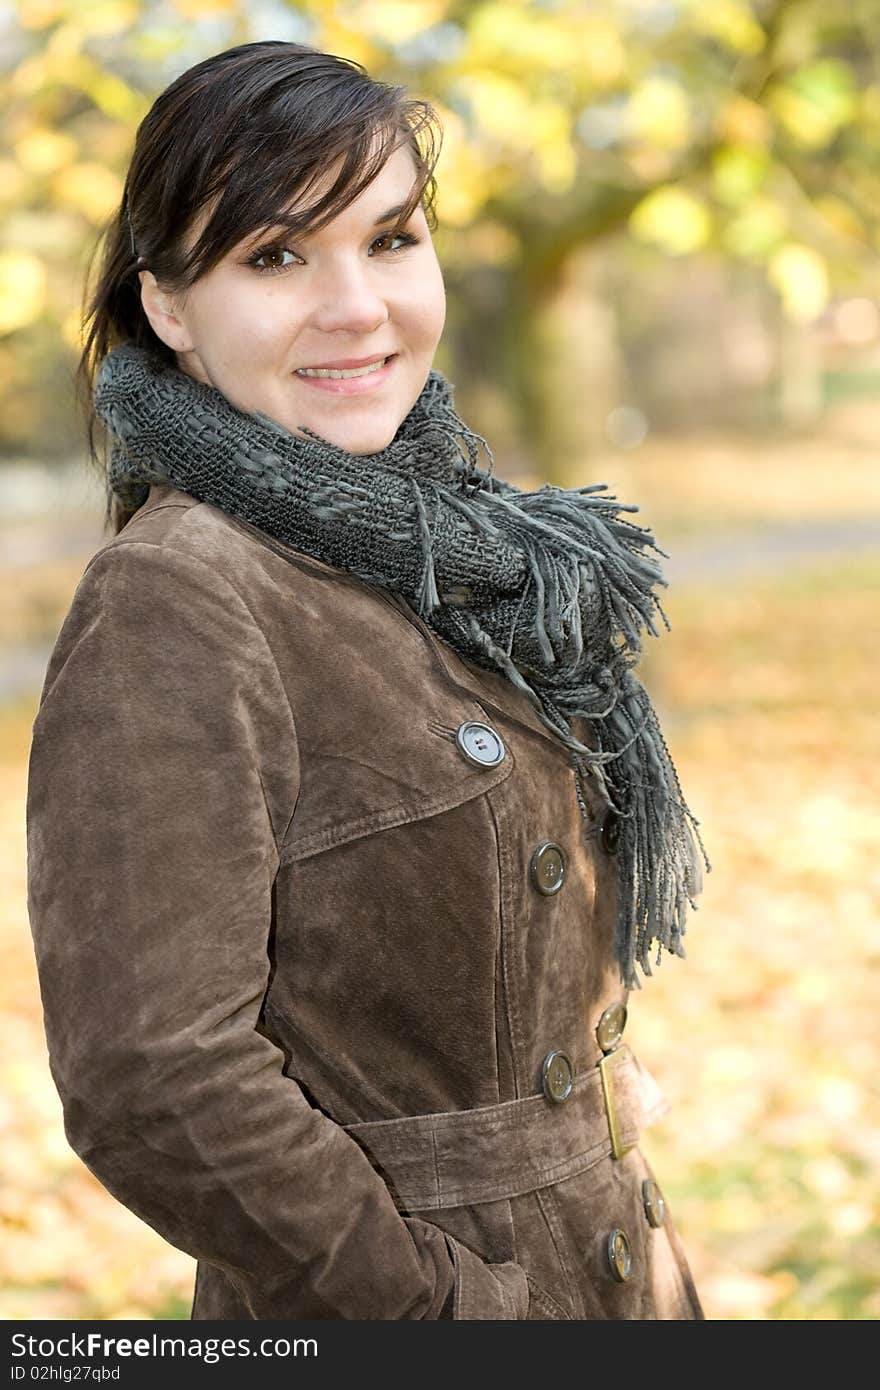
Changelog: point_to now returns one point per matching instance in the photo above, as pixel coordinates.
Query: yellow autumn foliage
(659, 113)
(90, 188)
(756, 230)
(107, 16)
(202, 9)
(800, 275)
(22, 289)
(13, 182)
(731, 22)
(672, 218)
(39, 14)
(399, 20)
(42, 150)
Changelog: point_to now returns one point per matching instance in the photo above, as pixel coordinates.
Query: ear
(165, 319)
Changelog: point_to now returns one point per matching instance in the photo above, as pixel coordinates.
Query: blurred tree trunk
(800, 374)
(564, 355)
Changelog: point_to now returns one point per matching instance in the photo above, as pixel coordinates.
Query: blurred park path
(745, 554)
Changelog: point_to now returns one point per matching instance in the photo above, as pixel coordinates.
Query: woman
(348, 821)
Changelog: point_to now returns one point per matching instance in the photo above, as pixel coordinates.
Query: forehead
(394, 181)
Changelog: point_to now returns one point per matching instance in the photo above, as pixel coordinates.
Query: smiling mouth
(343, 373)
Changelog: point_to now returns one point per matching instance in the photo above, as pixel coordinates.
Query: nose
(349, 300)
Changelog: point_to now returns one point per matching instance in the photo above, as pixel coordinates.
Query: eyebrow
(390, 215)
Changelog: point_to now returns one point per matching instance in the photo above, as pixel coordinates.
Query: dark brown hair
(239, 135)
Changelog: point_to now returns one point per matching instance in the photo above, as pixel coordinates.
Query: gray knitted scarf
(551, 588)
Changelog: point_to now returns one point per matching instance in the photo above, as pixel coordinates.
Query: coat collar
(488, 688)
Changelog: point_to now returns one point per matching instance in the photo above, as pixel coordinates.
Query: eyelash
(406, 237)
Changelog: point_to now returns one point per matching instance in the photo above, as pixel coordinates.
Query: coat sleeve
(163, 771)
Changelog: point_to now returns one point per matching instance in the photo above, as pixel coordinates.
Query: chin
(366, 446)
(360, 441)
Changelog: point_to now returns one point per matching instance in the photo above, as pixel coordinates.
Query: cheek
(438, 301)
(426, 310)
(240, 328)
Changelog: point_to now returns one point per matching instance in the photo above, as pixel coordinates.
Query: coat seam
(437, 1187)
(545, 1200)
(400, 813)
(146, 511)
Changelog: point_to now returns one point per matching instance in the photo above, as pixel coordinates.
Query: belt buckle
(606, 1065)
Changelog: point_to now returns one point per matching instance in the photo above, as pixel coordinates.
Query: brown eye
(404, 238)
(272, 255)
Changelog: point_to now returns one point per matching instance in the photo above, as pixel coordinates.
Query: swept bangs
(264, 186)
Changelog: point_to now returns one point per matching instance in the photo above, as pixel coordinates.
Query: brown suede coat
(273, 903)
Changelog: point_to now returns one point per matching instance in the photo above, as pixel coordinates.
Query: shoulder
(176, 603)
(184, 529)
(175, 534)
(177, 550)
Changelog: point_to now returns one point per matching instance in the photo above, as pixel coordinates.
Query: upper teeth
(341, 373)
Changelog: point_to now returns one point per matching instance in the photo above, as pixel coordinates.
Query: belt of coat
(463, 1157)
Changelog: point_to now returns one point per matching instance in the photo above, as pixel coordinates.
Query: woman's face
(347, 296)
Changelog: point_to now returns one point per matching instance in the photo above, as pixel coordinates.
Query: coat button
(480, 744)
(620, 1255)
(655, 1205)
(557, 1077)
(610, 832)
(609, 1029)
(547, 868)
